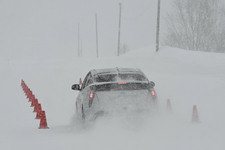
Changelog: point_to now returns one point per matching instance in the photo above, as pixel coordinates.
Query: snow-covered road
(187, 78)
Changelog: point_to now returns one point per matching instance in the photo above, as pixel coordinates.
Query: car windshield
(119, 77)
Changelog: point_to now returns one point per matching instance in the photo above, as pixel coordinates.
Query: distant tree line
(196, 25)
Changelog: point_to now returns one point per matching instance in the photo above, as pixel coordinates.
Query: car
(120, 90)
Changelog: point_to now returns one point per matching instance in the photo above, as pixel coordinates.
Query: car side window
(85, 81)
(89, 80)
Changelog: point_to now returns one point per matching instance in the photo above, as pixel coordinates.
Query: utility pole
(78, 42)
(158, 27)
(118, 50)
(96, 24)
(81, 48)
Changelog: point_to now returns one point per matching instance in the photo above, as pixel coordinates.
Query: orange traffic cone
(36, 106)
(195, 117)
(34, 102)
(29, 93)
(43, 121)
(22, 83)
(38, 115)
(80, 81)
(31, 98)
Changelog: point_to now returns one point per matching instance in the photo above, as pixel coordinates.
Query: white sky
(42, 29)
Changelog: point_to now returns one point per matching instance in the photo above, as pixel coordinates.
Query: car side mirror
(152, 84)
(76, 87)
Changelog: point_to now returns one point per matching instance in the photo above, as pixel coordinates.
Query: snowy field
(187, 78)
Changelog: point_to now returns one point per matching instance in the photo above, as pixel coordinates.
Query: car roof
(116, 71)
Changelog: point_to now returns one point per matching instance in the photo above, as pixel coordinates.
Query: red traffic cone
(35, 106)
(26, 92)
(34, 102)
(38, 115)
(43, 121)
(168, 106)
(80, 81)
(25, 87)
(31, 98)
(22, 84)
(195, 117)
(29, 93)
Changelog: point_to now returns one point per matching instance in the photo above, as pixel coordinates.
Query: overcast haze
(35, 31)
(47, 29)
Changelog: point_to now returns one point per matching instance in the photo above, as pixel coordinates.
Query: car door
(86, 90)
(81, 96)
